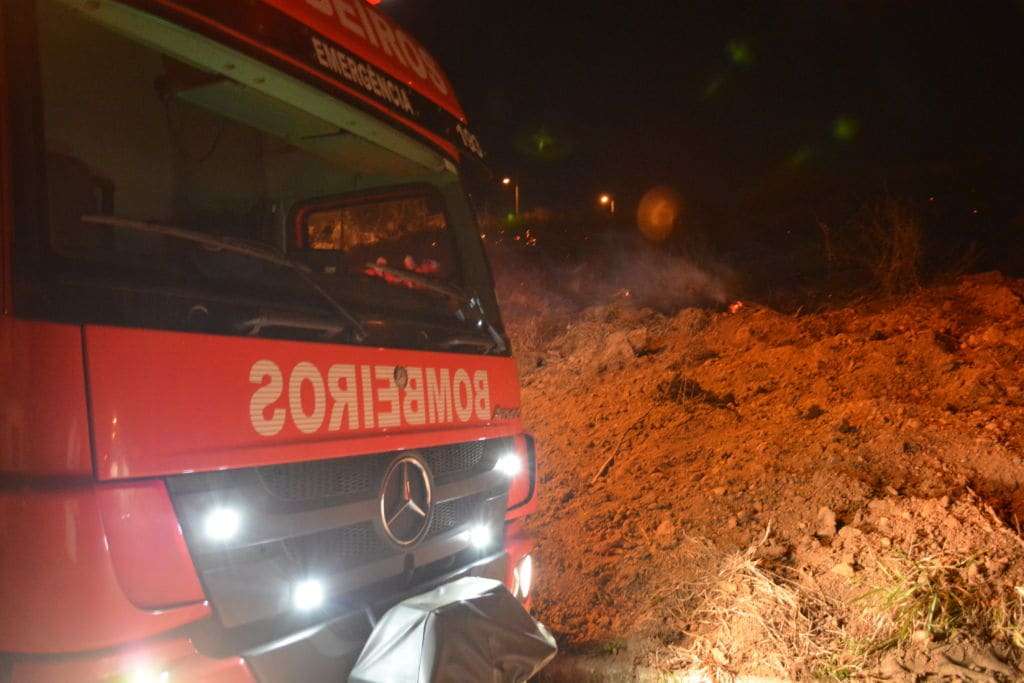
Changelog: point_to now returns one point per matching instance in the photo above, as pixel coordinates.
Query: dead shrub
(883, 243)
(534, 335)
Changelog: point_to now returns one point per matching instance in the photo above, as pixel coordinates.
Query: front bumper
(323, 651)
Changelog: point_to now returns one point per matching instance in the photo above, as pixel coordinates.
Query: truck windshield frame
(226, 150)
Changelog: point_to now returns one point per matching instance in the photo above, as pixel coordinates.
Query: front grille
(454, 513)
(449, 461)
(337, 549)
(320, 479)
(357, 477)
(321, 519)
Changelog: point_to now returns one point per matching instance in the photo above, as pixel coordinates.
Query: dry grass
(1006, 620)
(753, 622)
(920, 600)
(934, 599)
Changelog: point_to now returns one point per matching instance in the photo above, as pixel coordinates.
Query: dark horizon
(718, 102)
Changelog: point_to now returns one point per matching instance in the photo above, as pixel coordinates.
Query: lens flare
(740, 52)
(845, 128)
(658, 213)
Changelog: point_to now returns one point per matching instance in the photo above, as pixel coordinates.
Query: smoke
(648, 277)
(615, 268)
(668, 283)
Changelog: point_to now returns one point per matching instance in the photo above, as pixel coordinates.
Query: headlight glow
(479, 536)
(307, 595)
(509, 464)
(145, 674)
(222, 523)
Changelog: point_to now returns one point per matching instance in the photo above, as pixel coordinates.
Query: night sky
(716, 98)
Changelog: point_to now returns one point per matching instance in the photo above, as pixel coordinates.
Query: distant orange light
(373, 2)
(735, 307)
(605, 199)
(658, 213)
(506, 181)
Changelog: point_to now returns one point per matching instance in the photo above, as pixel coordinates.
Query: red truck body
(121, 440)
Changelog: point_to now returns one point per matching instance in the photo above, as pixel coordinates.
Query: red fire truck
(256, 390)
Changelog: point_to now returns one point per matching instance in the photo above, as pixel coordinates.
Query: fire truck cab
(256, 389)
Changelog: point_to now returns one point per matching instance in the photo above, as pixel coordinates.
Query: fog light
(479, 536)
(222, 524)
(510, 465)
(522, 578)
(307, 595)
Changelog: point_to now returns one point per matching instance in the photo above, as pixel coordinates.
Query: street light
(607, 200)
(515, 188)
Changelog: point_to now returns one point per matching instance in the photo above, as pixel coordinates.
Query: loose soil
(789, 496)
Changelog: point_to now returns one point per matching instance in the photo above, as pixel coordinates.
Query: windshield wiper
(262, 253)
(461, 299)
(291, 321)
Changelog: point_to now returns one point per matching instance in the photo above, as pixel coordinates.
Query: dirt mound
(672, 442)
(910, 589)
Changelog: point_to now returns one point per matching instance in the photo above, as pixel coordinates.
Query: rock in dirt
(844, 569)
(665, 534)
(743, 335)
(617, 351)
(637, 339)
(812, 412)
(614, 540)
(993, 335)
(845, 427)
(690, 320)
(826, 523)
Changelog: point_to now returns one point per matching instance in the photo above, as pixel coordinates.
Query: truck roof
(347, 47)
(374, 37)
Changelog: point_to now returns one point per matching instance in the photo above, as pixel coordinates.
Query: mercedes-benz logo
(405, 501)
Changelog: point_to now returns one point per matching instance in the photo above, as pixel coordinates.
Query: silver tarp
(469, 630)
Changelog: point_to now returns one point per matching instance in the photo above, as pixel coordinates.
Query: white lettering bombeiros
(366, 395)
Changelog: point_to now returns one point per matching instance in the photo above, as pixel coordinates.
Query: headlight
(479, 536)
(509, 464)
(522, 578)
(222, 523)
(145, 674)
(307, 595)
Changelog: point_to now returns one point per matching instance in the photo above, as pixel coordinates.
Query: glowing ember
(735, 306)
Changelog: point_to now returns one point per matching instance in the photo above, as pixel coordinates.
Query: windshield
(147, 136)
